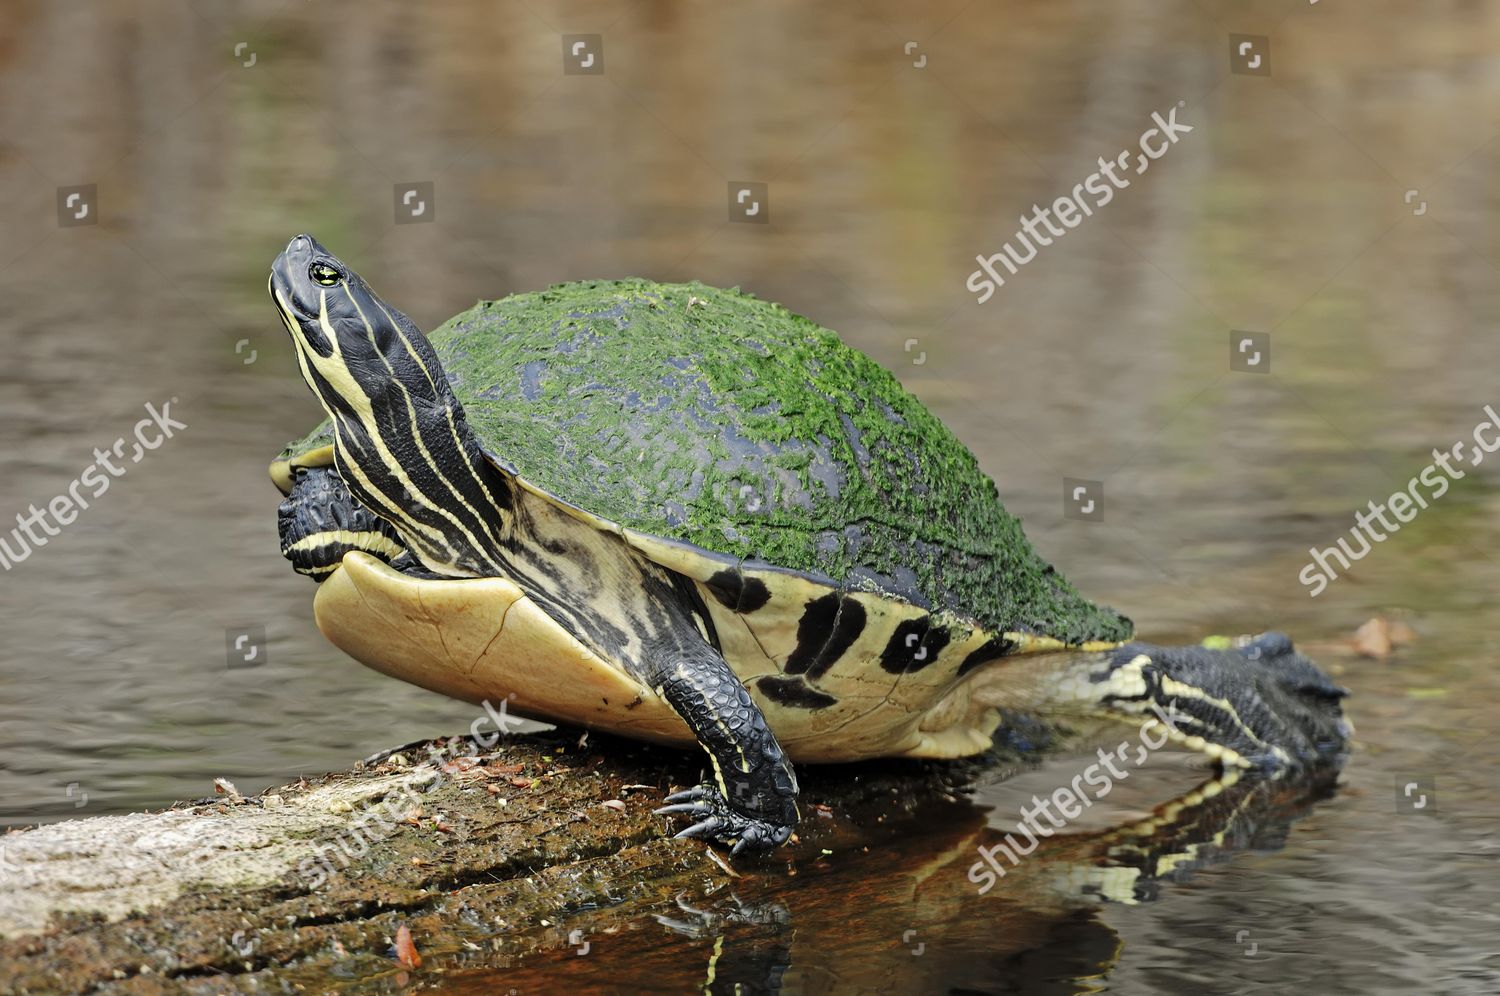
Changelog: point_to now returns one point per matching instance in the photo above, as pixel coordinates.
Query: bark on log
(520, 842)
(507, 865)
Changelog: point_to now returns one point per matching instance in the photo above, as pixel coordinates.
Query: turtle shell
(751, 450)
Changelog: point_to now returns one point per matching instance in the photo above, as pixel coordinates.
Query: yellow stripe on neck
(368, 541)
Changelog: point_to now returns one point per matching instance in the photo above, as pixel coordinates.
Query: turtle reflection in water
(884, 898)
(838, 929)
(688, 516)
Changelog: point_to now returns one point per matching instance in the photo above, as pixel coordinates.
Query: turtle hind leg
(753, 800)
(1258, 705)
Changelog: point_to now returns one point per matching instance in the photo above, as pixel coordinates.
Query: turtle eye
(324, 274)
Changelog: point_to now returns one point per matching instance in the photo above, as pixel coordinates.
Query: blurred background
(1335, 196)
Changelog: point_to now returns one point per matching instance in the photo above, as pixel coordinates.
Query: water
(1285, 211)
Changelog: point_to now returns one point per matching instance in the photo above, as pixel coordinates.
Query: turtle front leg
(319, 521)
(753, 803)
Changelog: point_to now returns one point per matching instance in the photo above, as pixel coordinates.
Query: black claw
(707, 828)
(723, 823)
(684, 807)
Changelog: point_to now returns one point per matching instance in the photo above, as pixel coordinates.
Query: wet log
(537, 866)
(525, 846)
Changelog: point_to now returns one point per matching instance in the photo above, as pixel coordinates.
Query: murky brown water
(1285, 211)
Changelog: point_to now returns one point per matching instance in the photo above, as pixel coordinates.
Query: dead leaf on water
(1379, 636)
(406, 949)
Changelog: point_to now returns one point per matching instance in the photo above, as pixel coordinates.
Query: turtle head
(401, 442)
(331, 312)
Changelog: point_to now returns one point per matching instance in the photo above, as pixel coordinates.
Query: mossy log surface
(488, 857)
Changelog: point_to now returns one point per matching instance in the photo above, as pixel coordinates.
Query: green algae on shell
(712, 418)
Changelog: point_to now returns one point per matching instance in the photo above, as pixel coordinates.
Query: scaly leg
(754, 799)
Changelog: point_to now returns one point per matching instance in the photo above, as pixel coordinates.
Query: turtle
(685, 515)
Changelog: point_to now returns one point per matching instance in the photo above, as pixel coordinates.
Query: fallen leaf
(1373, 639)
(406, 949)
(496, 770)
(1401, 634)
(459, 765)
